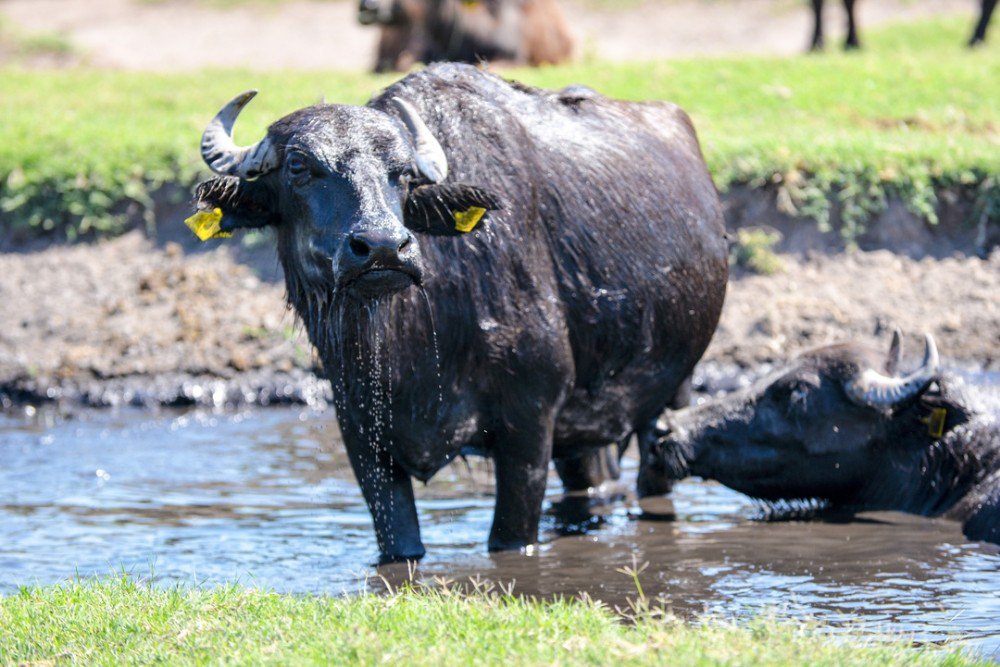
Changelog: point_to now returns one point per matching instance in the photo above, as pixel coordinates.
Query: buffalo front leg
(521, 460)
(388, 492)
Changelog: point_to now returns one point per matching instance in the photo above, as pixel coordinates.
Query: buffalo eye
(300, 168)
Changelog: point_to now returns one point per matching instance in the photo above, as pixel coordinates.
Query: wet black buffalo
(852, 41)
(840, 425)
(564, 322)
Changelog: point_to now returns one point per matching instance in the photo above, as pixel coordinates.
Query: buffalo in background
(484, 267)
(839, 424)
(852, 41)
(524, 32)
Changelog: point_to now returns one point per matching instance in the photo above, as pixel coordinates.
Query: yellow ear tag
(466, 221)
(206, 225)
(935, 422)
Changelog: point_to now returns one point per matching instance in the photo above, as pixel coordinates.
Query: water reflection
(267, 498)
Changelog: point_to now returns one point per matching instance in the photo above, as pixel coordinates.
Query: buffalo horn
(873, 389)
(430, 157)
(221, 153)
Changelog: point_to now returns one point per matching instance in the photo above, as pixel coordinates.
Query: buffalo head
(345, 187)
(809, 430)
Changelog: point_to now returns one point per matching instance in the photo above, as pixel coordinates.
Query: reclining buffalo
(852, 41)
(840, 425)
(483, 267)
(522, 32)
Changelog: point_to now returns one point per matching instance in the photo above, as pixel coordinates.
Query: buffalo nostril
(359, 247)
(405, 243)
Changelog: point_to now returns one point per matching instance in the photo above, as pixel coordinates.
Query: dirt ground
(183, 34)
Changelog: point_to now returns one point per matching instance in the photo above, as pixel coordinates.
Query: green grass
(121, 621)
(911, 115)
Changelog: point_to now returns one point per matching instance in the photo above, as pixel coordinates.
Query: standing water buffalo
(527, 32)
(564, 322)
(831, 426)
(852, 41)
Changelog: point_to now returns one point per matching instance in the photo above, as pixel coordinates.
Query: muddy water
(267, 498)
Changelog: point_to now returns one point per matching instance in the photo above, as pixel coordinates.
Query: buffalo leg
(683, 395)
(852, 41)
(590, 470)
(654, 478)
(817, 39)
(521, 461)
(388, 492)
(979, 35)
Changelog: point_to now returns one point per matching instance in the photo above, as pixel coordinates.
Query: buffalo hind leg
(591, 469)
(388, 492)
(852, 41)
(979, 35)
(655, 478)
(596, 467)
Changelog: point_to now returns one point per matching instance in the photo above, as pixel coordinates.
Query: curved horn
(221, 153)
(895, 352)
(430, 157)
(873, 389)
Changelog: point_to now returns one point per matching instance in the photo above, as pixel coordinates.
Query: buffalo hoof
(388, 559)
(512, 545)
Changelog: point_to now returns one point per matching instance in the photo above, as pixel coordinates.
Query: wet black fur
(796, 435)
(565, 322)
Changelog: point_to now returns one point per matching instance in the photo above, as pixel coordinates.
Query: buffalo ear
(226, 203)
(448, 209)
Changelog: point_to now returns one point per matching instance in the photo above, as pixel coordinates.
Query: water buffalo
(852, 42)
(565, 321)
(531, 32)
(841, 425)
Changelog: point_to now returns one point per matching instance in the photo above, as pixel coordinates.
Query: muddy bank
(132, 321)
(169, 321)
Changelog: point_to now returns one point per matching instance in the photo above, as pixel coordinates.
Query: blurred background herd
(395, 35)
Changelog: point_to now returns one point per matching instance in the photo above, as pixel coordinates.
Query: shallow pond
(267, 498)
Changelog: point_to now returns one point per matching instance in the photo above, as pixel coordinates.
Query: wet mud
(168, 322)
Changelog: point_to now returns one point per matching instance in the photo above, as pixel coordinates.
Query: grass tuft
(753, 250)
